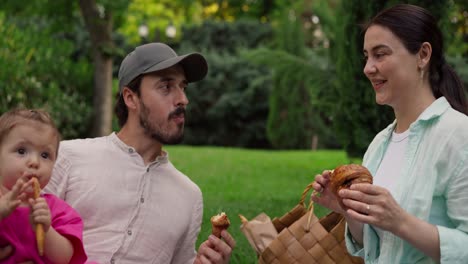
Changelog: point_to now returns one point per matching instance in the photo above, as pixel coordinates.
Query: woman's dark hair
(414, 25)
(120, 108)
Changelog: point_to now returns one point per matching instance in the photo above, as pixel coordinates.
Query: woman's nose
(369, 68)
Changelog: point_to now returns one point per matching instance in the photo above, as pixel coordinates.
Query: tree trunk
(98, 22)
(102, 100)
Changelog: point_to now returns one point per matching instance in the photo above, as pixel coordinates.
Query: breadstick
(39, 227)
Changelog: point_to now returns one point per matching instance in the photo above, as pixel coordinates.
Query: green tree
(457, 46)
(154, 17)
(99, 22)
(229, 107)
(38, 71)
(222, 10)
(58, 18)
(356, 117)
(290, 120)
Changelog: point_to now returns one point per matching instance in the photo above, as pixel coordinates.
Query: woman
(417, 209)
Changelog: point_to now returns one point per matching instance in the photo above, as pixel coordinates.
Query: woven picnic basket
(305, 239)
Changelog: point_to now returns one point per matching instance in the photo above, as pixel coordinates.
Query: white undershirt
(389, 171)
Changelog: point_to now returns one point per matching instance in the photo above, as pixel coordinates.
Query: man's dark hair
(120, 108)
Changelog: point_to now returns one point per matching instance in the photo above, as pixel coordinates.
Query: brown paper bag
(259, 231)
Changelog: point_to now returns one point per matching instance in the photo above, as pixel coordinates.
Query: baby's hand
(10, 200)
(40, 212)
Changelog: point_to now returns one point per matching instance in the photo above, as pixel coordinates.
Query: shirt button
(142, 200)
(147, 169)
(129, 232)
(130, 150)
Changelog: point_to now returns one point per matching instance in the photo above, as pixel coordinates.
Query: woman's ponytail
(445, 82)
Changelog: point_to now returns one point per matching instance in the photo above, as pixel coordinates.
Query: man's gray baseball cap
(159, 56)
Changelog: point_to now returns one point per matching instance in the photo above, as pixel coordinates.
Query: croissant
(219, 223)
(345, 175)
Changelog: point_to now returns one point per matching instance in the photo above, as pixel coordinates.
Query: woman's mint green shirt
(433, 187)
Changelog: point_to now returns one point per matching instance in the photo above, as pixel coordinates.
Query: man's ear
(424, 55)
(130, 98)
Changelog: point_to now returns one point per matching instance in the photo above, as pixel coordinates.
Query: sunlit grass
(248, 182)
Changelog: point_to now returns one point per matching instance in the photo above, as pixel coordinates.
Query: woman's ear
(130, 98)
(424, 54)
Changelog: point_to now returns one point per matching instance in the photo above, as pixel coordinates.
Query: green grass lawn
(248, 182)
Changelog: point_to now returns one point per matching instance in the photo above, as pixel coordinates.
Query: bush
(37, 72)
(225, 37)
(230, 106)
(300, 74)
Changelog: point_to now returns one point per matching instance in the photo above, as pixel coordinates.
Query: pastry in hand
(219, 223)
(344, 176)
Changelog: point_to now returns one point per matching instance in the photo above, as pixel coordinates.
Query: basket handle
(304, 193)
(310, 208)
(296, 213)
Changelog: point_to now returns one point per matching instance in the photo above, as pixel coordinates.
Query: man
(136, 206)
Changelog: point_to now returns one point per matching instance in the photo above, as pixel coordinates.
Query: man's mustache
(178, 111)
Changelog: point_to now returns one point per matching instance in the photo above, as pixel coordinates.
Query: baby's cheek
(9, 182)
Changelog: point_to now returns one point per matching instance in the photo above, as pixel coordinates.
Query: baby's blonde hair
(18, 116)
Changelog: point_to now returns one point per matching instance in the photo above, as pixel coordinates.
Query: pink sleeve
(67, 222)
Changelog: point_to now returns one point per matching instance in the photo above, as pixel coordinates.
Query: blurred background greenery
(283, 74)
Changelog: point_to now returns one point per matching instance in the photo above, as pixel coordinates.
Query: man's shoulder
(82, 146)
(83, 141)
(184, 181)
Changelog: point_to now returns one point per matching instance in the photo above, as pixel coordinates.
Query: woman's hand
(372, 204)
(375, 205)
(322, 193)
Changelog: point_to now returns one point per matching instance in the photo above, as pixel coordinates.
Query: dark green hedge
(230, 106)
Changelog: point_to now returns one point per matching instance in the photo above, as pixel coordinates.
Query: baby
(29, 144)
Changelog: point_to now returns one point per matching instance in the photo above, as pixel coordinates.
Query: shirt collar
(436, 109)
(128, 149)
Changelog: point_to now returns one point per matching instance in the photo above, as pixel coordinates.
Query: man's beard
(156, 132)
